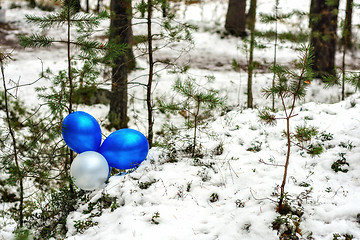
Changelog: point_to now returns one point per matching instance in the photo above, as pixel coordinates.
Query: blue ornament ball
(125, 148)
(81, 132)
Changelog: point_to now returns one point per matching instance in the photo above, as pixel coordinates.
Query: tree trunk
(98, 6)
(235, 18)
(75, 3)
(32, 3)
(150, 79)
(87, 6)
(282, 188)
(251, 60)
(250, 14)
(275, 53)
(346, 42)
(323, 23)
(164, 8)
(71, 88)
(120, 33)
(347, 33)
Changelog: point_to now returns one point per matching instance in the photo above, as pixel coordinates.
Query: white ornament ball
(89, 170)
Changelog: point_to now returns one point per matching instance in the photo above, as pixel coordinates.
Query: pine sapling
(274, 18)
(290, 86)
(196, 99)
(68, 17)
(170, 32)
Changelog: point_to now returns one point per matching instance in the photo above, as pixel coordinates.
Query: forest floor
(231, 191)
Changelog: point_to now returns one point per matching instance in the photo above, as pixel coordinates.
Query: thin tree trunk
(282, 188)
(164, 8)
(151, 73)
(347, 33)
(98, 6)
(69, 61)
(343, 74)
(251, 12)
(275, 51)
(251, 60)
(195, 127)
(87, 6)
(346, 42)
(12, 134)
(70, 77)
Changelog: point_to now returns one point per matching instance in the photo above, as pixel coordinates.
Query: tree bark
(251, 57)
(75, 3)
(71, 88)
(151, 73)
(236, 18)
(87, 6)
(250, 14)
(164, 8)
(323, 23)
(347, 33)
(32, 3)
(120, 33)
(78, 5)
(98, 5)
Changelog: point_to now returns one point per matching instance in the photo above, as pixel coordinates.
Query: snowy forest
(180, 119)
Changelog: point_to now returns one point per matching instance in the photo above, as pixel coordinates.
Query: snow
(181, 192)
(238, 174)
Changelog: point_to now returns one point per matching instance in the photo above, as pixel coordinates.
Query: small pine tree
(42, 149)
(13, 165)
(171, 31)
(60, 97)
(196, 100)
(274, 18)
(290, 87)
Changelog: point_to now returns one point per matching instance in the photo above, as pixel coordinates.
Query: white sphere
(89, 170)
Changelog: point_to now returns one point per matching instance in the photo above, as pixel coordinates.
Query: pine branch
(90, 46)
(187, 88)
(84, 21)
(36, 40)
(48, 21)
(171, 107)
(270, 18)
(81, 20)
(267, 117)
(353, 79)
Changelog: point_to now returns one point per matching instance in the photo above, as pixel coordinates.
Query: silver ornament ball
(89, 170)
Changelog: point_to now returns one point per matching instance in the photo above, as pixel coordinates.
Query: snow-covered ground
(181, 192)
(180, 199)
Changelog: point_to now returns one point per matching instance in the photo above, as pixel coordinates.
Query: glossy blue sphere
(125, 148)
(81, 132)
